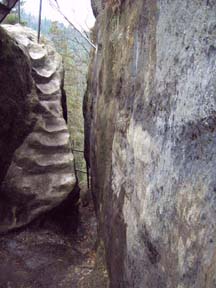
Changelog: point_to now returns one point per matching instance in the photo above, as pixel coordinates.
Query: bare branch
(57, 7)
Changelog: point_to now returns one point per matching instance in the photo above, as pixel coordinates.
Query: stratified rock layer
(37, 168)
(151, 143)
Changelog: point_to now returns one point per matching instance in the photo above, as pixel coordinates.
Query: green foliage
(11, 19)
(75, 54)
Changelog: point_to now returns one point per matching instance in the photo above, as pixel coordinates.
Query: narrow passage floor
(45, 257)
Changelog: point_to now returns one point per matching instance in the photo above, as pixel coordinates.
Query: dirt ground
(45, 257)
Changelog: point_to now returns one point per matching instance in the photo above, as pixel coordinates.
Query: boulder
(36, 167)
(151, 142)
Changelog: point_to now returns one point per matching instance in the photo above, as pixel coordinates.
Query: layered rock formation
(36, 172)
(151, 142)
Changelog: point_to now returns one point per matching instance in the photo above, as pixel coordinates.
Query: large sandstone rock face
(36, 167)
(151, 143)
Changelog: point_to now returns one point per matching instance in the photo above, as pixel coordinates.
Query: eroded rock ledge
(36, 162)
(150, 119)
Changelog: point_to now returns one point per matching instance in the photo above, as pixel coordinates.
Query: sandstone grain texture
(36, 162)
(151, 144)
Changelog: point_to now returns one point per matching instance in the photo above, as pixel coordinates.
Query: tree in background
(16, 14)
(75, 54)
(74, 50)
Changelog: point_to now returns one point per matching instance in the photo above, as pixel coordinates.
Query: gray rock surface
(37, 172)
(151, 144)
(97, 6)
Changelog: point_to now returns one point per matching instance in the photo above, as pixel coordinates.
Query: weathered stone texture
(152, 142)
(97, 6)
(36, 162)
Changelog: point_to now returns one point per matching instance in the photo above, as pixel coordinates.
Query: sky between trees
(77, 10)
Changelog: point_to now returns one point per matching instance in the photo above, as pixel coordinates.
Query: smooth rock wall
(151, 144)
(37, 171)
